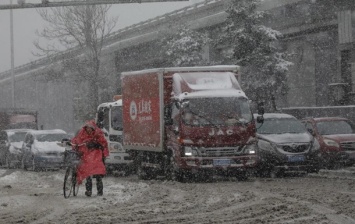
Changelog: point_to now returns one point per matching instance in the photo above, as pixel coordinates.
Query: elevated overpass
(38, 87)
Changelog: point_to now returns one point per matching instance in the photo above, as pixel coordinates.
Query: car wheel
(7, 162)
(23, 164)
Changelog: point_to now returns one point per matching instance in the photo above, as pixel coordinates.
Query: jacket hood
(90, 124)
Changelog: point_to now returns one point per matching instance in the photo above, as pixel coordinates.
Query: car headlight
(330, 142)
(250, 149)
(189, 151)
(265, 145)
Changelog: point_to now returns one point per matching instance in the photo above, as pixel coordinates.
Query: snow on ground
(37, 197)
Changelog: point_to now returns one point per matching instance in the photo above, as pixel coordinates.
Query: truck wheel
(143, 173)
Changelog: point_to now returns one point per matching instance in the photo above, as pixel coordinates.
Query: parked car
(336, 136)
(40, 149)
(285, 145)
(10, 147)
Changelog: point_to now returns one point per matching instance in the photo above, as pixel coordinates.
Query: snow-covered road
(36, 197)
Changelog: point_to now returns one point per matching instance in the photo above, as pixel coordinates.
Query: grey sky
(27, 21)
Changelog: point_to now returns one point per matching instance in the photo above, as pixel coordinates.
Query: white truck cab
(109, 119)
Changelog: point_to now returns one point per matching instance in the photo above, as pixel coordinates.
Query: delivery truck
(188, 122)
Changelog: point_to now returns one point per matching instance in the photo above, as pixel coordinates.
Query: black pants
(99, 184)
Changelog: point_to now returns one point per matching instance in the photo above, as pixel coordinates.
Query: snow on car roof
(275, 115)
(319, 119)
(19, 130)
(52, 131)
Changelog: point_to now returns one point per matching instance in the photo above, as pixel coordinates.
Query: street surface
(36, 197)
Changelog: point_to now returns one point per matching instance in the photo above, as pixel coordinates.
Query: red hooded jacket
(91, 159)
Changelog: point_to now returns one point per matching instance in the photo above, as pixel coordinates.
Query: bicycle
(71, 161)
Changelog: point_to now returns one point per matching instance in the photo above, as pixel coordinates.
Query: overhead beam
(46, 4)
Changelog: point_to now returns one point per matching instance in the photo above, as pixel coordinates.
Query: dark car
(40, 149)
(336, 136)
(10, 147)
(286, 146)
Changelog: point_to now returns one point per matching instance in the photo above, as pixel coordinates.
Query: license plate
(298, 158)
(221, 162)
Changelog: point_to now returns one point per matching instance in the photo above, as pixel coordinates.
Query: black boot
(99, 186)
(88, 186)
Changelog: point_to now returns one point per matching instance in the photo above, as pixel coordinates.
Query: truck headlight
(330, 142)
(250, 149)
(189, 151)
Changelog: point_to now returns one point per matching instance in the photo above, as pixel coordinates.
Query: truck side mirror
(177, 104)
(261, 108)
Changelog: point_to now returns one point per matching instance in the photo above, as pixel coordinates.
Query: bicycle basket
(71, 157)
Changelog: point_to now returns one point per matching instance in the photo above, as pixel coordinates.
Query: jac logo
(220, 132)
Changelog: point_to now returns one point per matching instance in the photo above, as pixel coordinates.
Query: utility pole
(12, 58)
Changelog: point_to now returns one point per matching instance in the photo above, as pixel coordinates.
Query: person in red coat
(91, 144)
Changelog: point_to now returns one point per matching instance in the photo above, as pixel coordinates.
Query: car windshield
(334, 127)
(281, 126)
(17, 136)
(216, 111)
(57, 137)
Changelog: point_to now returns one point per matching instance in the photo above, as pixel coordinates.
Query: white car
(41, 151)
(11, 141)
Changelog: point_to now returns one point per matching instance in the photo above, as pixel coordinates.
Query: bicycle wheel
(75, 184)
(68, 182)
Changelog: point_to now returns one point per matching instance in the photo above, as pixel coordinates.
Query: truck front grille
(349, 146)
(218, 152)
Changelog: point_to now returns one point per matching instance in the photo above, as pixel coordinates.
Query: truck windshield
(334, 127)
(216, 111)
(281, 126)
(116, 118)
